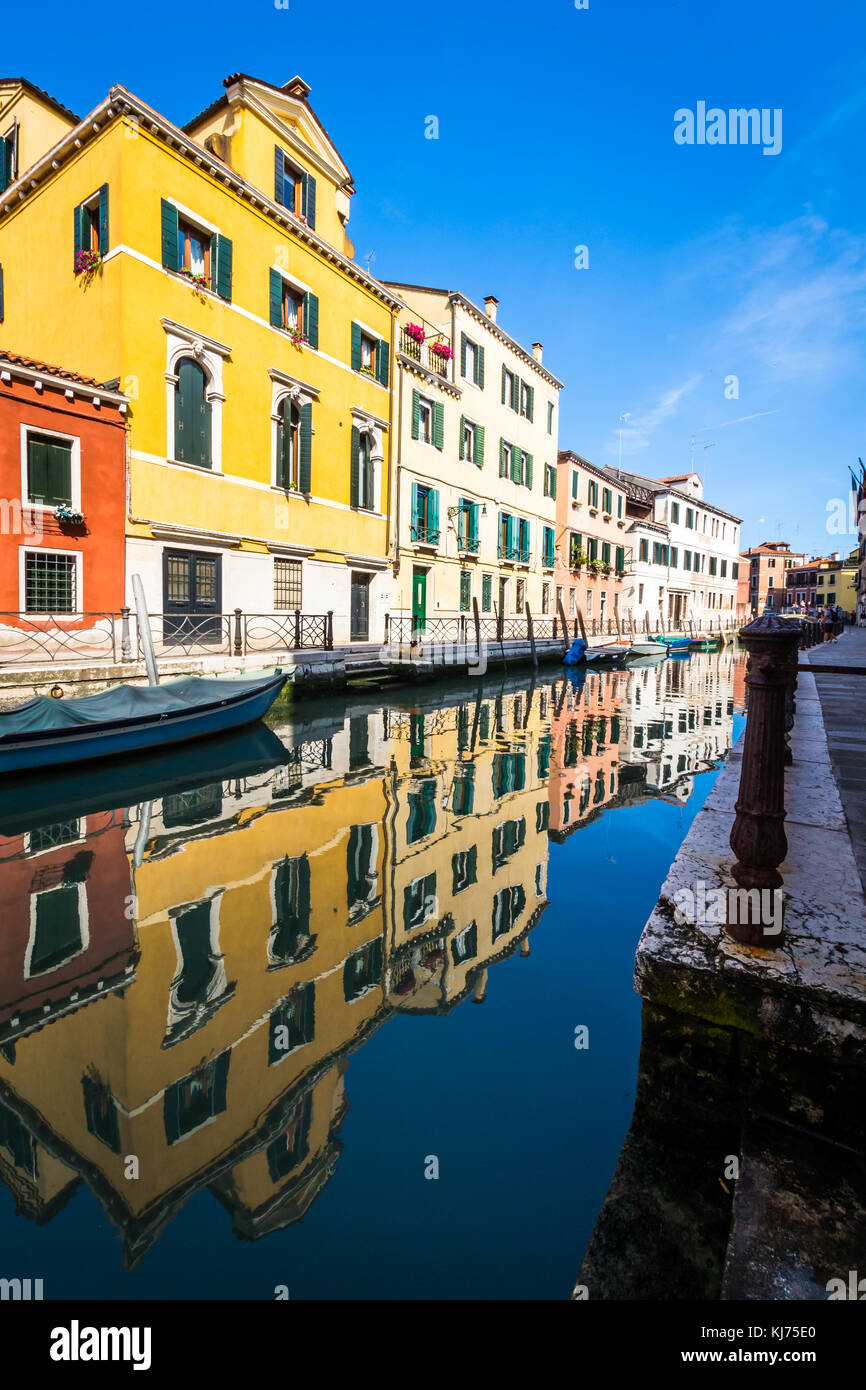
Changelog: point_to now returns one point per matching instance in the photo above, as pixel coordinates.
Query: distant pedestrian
(827, 619)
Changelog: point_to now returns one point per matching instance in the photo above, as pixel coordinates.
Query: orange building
(62, 494)
(765, 567)
(586, 729)
(592, 552)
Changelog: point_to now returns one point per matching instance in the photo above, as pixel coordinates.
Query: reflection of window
(290, 932)
(422, 812)
(509, 773)
(464, 868)
(362, 877)
(508, 838)
(363, 970)
(193, 806)
(100, 1113)
(46, 837)
(542, 816)
(57, 926)
(292, 1023)
(463, 794)
(18, 1140)
(508, 904)
(359, 752)
(419, 901)
(465, 944)
(291, 1145)
(199, 1097)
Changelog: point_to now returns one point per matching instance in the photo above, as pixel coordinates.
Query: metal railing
(426, 353)
(35, 638)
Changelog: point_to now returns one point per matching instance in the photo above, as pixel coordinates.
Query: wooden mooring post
(758, 837)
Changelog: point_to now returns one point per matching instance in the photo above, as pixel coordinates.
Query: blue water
(526, 1127)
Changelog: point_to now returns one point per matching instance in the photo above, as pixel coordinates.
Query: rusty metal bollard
(758, 836)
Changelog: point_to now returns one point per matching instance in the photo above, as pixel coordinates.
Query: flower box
(442, 350)
(198, 282)
(414, 330)
(87, 262)
(67, 516)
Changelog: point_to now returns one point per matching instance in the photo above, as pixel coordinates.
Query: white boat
(648, 648)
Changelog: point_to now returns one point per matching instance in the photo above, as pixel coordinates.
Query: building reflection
(186, 974)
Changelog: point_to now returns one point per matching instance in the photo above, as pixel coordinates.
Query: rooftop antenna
(622, 420)
(692, 454)
(704, 478)
(369, 258)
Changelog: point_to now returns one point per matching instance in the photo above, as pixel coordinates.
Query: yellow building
(209, 270)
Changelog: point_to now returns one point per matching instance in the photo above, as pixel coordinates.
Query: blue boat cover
(124, 702)
(575, 653)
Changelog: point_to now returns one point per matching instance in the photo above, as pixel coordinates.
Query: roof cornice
(455, 297)
(411, 364)
(121, 102)
(68, 385)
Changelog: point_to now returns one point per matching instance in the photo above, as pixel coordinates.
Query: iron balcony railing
(434, 352)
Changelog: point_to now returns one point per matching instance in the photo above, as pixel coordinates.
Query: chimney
(536, 351)
(490, 303)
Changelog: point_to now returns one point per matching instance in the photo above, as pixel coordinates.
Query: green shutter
(465, 590)
(49, 472)
(504, 378)
(503, 466)
(5, 162)
(438, 424)
(620, 558)
(479, 445)
(306, 433)
(479, 367)
(223, 280)
(605, 552)
(308, 203)
(1, 294)
(486, 592)
(282, 478)
(531, 402)
(78, 217)
(276, 298)
(356, 351)
(509, 536)
(515, 392)
(311, 320)
(473, 526)
(529, 470)
(356, 464)
(619, 506)
(415, 522)
(462, 357)
(433, 516)
(382, 361)
(416, 414)
(103, 219)
(574, 485)
(461, 449)
(516, 464)
(279, 171)
(169, 236)
(553, 480)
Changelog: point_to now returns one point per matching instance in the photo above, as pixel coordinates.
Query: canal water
(343, 1007)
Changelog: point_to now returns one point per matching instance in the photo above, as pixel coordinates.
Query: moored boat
(45, 734)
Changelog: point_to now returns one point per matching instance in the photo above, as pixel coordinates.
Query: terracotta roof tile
(17, 359)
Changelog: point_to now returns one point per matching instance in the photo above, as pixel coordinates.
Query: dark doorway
(192, 597)
(360, 613)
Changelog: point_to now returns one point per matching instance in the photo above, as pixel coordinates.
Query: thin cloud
(637, 434)
(726, 424)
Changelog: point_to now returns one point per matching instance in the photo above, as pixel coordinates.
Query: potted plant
(87, 263)
(442, 351)
(198, 282)
(67, 516)
(414, 330)
(296, 336)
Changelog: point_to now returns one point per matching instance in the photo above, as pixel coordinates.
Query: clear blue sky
(556, 130)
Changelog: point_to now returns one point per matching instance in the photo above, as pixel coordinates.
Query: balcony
(428, 347)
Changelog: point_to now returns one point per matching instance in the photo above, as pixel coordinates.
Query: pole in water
(144, 630)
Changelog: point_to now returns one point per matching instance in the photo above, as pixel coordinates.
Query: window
(572, 602)
(91, 229)
(362, 970)
(292, 316)
(675, 512)
(471, 441)
(605, 552)
(465, 944)
(507, 549)
(192, 415)
(49, 470)
(363, 490)
(510, 389)
(57, 932)
(486, 593)
(465, 590)
(724, 569)
(549, 480)
(527, 394)
(674, 557)
(293, 188)
(425, 514)
(771, 564)
(607, 501)
(620, 559)
(194, 249)
(288, 444)
(520, 595)
(8, 163)
(428, 419)
(713, 564)
(592, 548)
(547, 551)
(550, 417)
(690, 518)
(287, 584)
(592, 493)
(463, 791)
(508, 838)
(467, 526)
(644, 550)
(574, 550)
(471, 360)
(422, 812)
(293, 309)
(50, 582)
(419, 901)
(464, 870)
(770, 579)
(545, 597)
(523, 546)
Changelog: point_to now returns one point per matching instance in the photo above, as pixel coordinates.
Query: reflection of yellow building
(468, 814)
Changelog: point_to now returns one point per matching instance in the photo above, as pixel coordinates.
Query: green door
(419, 600)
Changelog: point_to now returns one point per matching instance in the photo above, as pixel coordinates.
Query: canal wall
(312, 672)
(743, 1174)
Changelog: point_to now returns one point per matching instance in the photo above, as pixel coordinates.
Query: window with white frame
(50, 469)
(51, 581)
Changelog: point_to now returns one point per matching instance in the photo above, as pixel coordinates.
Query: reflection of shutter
(382, 359)
(356, 464)
(169, 236)
(103, 219)
(479, 445)
(223, 278)
(479, 367)
(416, 413)
(306, 433)
(279, 171)
(275, 299)
(356, 351)
(311, 319)
(438, 424)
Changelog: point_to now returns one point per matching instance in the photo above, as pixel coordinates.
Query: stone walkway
(843, 705)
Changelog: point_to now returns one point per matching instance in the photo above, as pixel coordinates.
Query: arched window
(288, 444)
(363, 470)
(192, 415)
